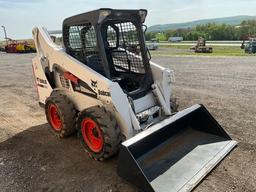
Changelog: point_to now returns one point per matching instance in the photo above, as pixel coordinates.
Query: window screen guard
(82, 44)
(125, 47)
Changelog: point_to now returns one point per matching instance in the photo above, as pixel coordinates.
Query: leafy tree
(210, 31)
(150, 35)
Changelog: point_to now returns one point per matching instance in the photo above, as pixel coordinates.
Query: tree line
(210, 31)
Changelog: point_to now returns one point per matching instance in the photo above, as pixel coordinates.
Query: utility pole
(6, 39)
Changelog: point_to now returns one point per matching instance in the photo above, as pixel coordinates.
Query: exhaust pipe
(175, 154)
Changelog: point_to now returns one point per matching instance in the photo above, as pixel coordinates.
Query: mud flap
(175, 154)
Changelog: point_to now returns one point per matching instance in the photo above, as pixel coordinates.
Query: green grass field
(169, 50)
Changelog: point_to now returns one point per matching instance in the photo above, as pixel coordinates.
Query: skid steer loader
(102, 84)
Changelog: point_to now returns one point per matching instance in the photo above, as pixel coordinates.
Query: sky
(20, 16)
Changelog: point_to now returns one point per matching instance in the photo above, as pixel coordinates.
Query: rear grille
(64, 82)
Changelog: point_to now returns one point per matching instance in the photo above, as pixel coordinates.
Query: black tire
(65, 111)
(109, 130)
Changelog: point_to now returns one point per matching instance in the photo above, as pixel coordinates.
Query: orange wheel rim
(54, 117)
(92, 134)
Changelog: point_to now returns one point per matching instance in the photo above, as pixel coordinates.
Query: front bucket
(175, 154)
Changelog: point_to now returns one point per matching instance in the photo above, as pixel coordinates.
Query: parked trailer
(20, 47)
(175, 39)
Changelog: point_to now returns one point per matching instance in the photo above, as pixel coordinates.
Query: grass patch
(168, 50)
(2, 43)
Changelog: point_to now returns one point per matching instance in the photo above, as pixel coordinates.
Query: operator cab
(111, 42)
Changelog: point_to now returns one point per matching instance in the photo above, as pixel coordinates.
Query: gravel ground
(31, 159)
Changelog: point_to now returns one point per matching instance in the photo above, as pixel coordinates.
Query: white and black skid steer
(102, 84)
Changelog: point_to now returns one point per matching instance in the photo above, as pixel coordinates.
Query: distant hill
(236, 20)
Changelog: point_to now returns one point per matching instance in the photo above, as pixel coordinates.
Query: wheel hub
(92, 135)
(54, 117)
